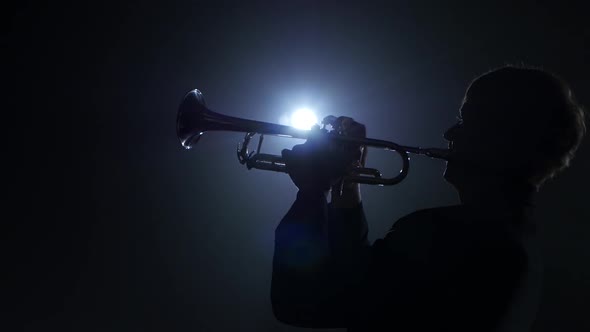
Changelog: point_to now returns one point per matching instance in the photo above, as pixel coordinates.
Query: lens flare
(303, 118)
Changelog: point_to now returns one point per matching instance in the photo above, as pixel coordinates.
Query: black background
(113, 226)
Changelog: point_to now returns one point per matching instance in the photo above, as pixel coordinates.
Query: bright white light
(303, 118)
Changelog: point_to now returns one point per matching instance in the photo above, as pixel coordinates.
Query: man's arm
(320, 258)
(320, 248)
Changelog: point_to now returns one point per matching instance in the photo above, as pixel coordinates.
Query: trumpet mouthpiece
(437, 153)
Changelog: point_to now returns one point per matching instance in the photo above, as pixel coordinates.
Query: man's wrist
(311, 194)
(346, 196)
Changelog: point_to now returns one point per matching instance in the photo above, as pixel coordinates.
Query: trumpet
(194, 119)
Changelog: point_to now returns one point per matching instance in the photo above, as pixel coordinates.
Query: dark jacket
(442, 269)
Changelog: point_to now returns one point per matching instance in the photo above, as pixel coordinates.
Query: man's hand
(321, 162)
(348, 194)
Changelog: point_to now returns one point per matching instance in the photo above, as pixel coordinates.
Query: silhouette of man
(469, 267)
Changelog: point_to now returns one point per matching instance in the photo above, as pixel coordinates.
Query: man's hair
(547, 117)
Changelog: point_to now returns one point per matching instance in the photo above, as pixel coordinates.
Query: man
(470, 267)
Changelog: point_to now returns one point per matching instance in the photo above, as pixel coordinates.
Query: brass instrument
(194, 119)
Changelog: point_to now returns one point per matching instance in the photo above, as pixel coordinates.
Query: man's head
(522, 124)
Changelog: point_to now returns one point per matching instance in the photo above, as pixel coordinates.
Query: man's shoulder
(430, 216)
(414, 235)
(423, 225)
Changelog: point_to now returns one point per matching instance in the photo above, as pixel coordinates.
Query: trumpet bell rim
(189, 122)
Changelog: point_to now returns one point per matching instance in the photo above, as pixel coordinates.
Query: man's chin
(462, 172)
(454, 172)
(448, 174)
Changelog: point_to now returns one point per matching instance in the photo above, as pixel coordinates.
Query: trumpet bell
(190, 122)
(194, 119)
